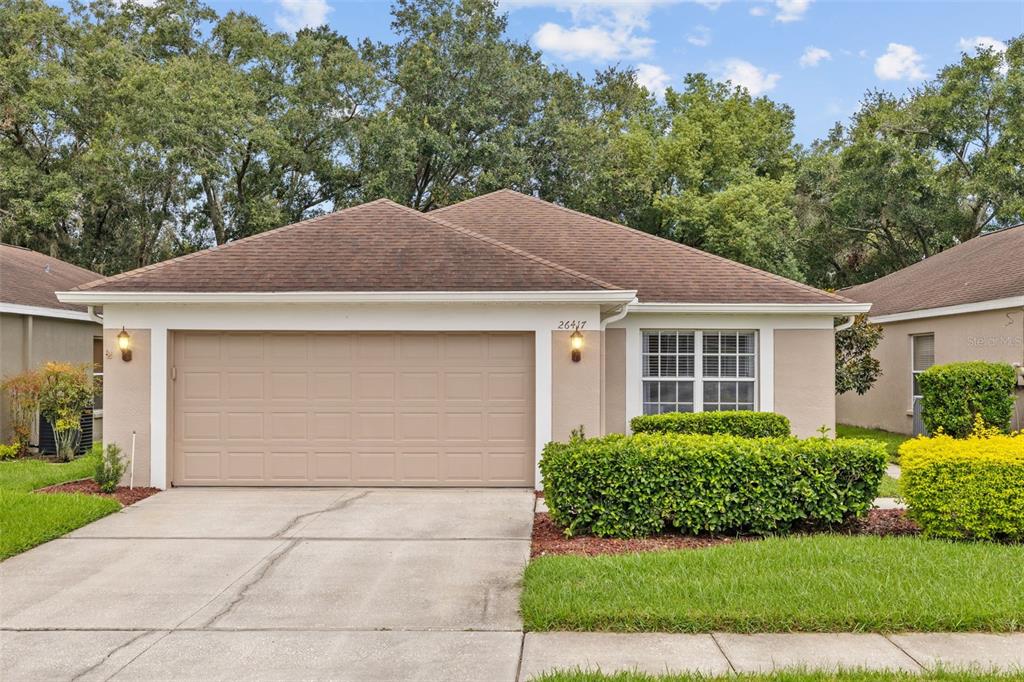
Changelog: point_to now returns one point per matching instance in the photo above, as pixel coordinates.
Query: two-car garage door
(418, 409)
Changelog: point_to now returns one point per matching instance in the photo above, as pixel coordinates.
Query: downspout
(846, 325)
(96, 317)
(615, 315)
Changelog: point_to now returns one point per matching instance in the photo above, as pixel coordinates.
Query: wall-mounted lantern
(576, 339)
(124, 344)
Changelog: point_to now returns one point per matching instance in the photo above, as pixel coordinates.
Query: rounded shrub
(733, 422)
(965, 489)
(953, 395)
(632, 486)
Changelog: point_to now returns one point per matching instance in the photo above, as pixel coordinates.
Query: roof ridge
(213, 249)
(685, 247)
(513, 249)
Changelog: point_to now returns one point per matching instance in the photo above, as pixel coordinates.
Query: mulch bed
(548, 538)
(87, 486)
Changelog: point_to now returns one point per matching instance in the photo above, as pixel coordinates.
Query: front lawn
(784, 676)
(819, 583)
(892, 441)
(28, 519)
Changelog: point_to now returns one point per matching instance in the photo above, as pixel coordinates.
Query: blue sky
(818, 56)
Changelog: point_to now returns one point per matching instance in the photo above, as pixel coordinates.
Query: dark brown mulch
(884, 522)
(87, 486)
(548, 538)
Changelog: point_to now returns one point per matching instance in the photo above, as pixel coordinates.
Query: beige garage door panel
(353, 409)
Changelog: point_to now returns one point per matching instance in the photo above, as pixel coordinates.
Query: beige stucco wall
(127, 398)
(52, 339)
(614, 350)
(805, 378)
(995, 336)
(575, 386)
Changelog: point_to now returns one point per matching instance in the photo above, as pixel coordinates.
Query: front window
(724, 378)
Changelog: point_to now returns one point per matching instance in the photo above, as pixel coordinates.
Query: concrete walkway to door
(278, 584)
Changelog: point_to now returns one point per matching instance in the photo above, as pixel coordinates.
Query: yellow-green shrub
(966, 489)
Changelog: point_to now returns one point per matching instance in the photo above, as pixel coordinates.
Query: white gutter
(837, 309)
(980, 306)
(617, 314)
(40, 311)
(600, 296)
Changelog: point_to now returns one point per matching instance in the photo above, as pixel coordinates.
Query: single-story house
(36, 328)
(965, 303)
(382, 346)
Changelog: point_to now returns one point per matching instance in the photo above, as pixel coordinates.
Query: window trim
(914, 372)
(698, 364)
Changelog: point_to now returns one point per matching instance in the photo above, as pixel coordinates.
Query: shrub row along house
(36, 328)
(382, 346)
(966, 303)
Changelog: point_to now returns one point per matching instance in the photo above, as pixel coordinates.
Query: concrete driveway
(276, 584)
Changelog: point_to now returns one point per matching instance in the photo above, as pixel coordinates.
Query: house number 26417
(572, 324)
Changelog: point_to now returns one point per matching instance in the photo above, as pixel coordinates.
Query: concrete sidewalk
(723, 653)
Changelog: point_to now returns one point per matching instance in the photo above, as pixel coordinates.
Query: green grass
(28, 519)
(889, 487)
(784, 676)
(817, 583)
(891, 440)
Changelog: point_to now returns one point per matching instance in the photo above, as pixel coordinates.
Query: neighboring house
(966, 303)
(35, 327)
(382, 346)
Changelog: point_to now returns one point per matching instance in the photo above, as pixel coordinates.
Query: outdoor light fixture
(576, 339)
(124, 343)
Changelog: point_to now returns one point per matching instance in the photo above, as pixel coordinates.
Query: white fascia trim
(836, 309)
(39, 311)
(606, 296)
(980, 306)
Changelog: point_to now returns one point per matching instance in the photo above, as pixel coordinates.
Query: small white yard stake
(131, 478)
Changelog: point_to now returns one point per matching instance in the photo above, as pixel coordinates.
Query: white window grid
(705, 375)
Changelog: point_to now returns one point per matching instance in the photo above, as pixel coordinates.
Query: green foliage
(729, 422)
(856, 369)
(65, 392)
(953, 394)
(9, 452)
(966, 489)
(23, 399)
(806, 583)
(110, 467)
(26, 475)
(839, 675)
(632, 486)
(911, 176)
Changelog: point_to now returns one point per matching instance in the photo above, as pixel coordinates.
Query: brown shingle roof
(660, 270)
(31, 278)
(378, 246)
(985, 268)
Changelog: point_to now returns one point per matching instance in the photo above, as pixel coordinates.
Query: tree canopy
(133, 132)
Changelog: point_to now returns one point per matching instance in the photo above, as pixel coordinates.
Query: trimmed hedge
(734, 423)
(965, 489)
(952, 395)
(632, 486)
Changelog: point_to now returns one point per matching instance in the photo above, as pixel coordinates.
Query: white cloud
(653, 78)
(900, 62)
(753, 78)
(701, 36)
(299, 14)
(813, 55)
(791, 10)
(591, 42)
(982, 43)
(759, 10)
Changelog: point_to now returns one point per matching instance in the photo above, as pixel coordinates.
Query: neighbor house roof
(500, 242)
(986, 268)
(29, 279)
(662, 271)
